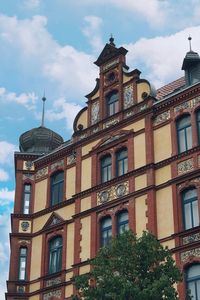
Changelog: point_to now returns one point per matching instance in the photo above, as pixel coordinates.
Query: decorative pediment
(53, 220)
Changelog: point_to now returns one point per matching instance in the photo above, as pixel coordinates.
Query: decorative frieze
(53, 281)
(28, 165)
(83, 136)
(28, 176)
(24, 242)
(95, 112)
(185, 166)
(191, 238)
(21, 289)
(187, 105)
(128, 96)
(162, 118)
(187, 254)
(113, 192)
(71, 159)
(95, 129)
(110, 64)
(56, 294)
(25, 225)
(58, 164)
(41, 173)
(111, 122)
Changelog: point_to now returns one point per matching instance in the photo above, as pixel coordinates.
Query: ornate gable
(53, 220)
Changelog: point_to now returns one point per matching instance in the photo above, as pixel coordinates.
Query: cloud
(6, 196)
(62, 110)
(161, 58)
(92, 31)
(27, 100)
(31, 4)
(3, 175)
(7, 152)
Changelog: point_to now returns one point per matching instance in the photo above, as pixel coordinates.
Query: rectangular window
(27, 198)
(22, 263)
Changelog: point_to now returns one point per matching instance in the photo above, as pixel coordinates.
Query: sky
(50, 46)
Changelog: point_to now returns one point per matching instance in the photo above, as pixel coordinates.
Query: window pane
(106, 231)
(193, 271)
(112, 103)
(57, 183)
(55, 255)
(195, 213)
(189, 137)
(188, 217)
(182, 141)
(27, 187)
(191, 288)
(191, 193)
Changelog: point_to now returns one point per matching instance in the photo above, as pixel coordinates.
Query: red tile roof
(170, 88)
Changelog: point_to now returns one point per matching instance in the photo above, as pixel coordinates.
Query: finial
(43, 109)
(190, 43)
(111, 40)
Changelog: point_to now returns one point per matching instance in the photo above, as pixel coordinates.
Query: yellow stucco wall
(39, 223)
(165, 222)
(95, 95)
(86, 174)
(70, 246)
(69, 290)
(68, 276)
(163, 175)
(135, 126)
(140, 212)
(162, 143)
(140, 182)
(141, 88)
(83, 119)
(86, 149)
(170, 244)
(126, 78)
(139, 151)
(36, 297)
(40, 195)
(85, 203)
(84, 269)
(70, 182)
(34, 287)
(66, 212)
(85, 241)
(36, 257)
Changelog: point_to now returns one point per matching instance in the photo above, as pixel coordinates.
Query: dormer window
(112, 100)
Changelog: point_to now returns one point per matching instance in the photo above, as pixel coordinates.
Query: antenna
(43, 109)
(190, 43)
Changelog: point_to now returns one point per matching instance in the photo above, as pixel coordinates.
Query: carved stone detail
(111, 64)
(56, 294)
(71, 159)
(21, 289)
(128, 96)
(57, 164)
(25, 225)
(28, 176)
(53, 281)
(111, 122)
(185, 166)
(187, 254)
(95, 112)
(28, 165)
(191, 238)
(24, 242)
(113, 192)
(187, 105)
(41, 173)
(162, 118)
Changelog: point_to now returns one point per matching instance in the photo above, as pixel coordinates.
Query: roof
(170, 88)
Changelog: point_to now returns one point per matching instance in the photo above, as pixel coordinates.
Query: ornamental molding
(53, 220)
(28, 176)
(185, 166)
(56, 294)
(187, 104)
(28, 165)
(190, 253)
(53, 281)
(162, 118)
(95, 112)
(111, 122)
(56, 165)
(128, 96)
(25, 225)
(113, 192)
(191, 238)
(24, 242)
(71, 159)
(111, 64)
(41, 173)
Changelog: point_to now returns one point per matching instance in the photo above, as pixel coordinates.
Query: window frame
(193, 279)
(189, 201)
(122, 223)
(197, 114)
(124, 161)
(183, 129)
(20, 268)
(29, 200)
(112, 103)
(107, 167)
(55, 251)
(107, 229)
(53, 185)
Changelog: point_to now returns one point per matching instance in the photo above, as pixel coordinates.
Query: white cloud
(161, 57)
(31, 4)
(3, 175)
(63, 110)
(27, 100)
(7, 152)
(6, 196)
(92, 32)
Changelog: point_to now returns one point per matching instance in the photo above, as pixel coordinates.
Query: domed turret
(40, 140)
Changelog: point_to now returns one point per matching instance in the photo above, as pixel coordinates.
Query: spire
(43, 109)
(190, 43)
(111, 40)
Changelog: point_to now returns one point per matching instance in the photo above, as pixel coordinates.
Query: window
(122, 222)
(122, 162)
(27, 198)
(184, 133)
(198, 124)
(112, 103)
(193, 281)
(106, 166)
(190, 208)
(106, 231)
(55, 255)
(22, 263)
(57, 181)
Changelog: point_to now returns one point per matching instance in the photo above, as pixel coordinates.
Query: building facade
(132, 162)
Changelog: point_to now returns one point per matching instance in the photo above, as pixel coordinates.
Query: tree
(130, 268)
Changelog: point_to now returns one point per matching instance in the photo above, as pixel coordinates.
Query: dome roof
(190, 59)
(39, 140)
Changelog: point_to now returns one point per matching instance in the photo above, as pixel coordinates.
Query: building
(133, 161)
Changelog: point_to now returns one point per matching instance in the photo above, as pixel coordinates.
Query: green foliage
(130, 268)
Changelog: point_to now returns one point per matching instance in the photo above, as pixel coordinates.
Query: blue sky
(51, 45)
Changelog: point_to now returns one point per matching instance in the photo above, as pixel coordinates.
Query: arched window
(26, 198)
(106, 168)
(106, 231)
(190, 208)
(198, 125)
(121, 162)
(55, 255)
(112, 100)
(193, 281)
(22, 263)
(57, 184)
(122, 222)
(184, 133)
